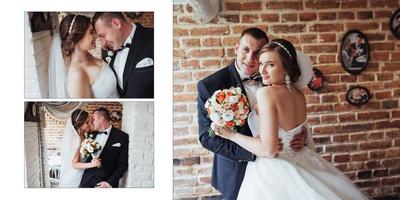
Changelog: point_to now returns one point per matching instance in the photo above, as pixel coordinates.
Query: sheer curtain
(62, 110)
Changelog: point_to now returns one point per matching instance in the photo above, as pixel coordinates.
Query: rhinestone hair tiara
(283, 47)
(72, 24)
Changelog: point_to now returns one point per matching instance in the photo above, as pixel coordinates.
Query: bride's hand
(96, 162)
(299, 140)
(224, 133)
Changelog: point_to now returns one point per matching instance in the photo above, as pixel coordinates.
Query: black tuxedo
(138, 82)
(230, 159)
(114, 161)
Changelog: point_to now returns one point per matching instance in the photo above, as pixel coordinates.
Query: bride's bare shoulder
(267, 92)
(76, 73)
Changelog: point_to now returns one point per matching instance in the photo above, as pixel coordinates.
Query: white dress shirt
(102, 138)
(120, 59)
(250, 87)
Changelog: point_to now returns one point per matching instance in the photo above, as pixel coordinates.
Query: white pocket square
(116, 145)
(145, 63)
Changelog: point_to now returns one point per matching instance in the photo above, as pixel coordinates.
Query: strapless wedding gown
(105, 85)
(294, 175)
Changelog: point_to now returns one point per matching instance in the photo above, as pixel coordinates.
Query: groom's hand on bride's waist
(103, 184)
(299, 141)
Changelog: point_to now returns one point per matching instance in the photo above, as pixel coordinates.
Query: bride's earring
(288, 82)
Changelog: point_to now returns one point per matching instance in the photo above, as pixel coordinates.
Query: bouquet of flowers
(89, 148)
(227, 108)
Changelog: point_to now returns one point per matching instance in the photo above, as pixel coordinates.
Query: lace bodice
(105, 85)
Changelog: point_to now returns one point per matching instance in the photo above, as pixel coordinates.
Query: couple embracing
(93, 152)
(128, 72)
(270, 155)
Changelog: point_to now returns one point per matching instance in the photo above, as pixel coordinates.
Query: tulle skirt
(303, 175)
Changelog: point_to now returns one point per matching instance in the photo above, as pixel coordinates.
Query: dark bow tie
(127, 45)
(254, 78)
(104, 132)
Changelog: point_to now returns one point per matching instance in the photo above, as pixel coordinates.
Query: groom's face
(109, 33)
(97, 121)
(246, 54)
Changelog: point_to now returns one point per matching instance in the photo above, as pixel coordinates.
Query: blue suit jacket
(230, 159)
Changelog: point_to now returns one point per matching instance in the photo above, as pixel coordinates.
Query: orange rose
(234, 107)
(230, 124)
(220, 97)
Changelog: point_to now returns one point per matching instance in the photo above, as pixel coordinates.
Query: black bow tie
(254, 78)
(104, 132)
(127, 45)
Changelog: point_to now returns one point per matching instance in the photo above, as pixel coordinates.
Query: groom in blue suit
(230, 159)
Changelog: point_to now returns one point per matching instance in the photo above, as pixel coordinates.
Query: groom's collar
(108, 130)
(130, 37)
(242, 75)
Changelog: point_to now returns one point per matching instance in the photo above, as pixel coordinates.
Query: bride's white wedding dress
(294, 175)
(105, 85)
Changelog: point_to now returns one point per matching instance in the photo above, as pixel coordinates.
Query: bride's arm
(78, 83)
(80, 165)
(267, 144)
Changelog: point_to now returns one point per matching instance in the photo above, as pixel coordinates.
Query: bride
(71, 167)
(73, 71)
(281, 114)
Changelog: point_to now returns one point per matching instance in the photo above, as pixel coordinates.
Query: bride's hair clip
(283, 47)
(77, 117)
(71, 25)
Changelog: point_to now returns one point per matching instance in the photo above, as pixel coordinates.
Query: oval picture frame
(354, 52)
(358, 95)
(317, 81)
(115, 116)
(394, 23)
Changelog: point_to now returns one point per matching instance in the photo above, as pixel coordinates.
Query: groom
(113, 154)
(133, 46)
(230, 159)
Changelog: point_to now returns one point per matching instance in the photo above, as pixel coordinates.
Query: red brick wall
(146, 19)
(55, 127)
(363, 142)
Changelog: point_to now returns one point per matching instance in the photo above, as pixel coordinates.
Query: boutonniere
(107, 55)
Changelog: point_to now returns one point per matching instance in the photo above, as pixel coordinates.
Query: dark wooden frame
(345, 48)
(361, 102)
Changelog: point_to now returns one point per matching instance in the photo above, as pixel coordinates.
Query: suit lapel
(133, 50)
(115, 73)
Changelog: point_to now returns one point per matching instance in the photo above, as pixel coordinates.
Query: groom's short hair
(256, 33)
(106, 17)
(103, 112)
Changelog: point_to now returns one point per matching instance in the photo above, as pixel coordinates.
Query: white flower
(214, 116)
(239, 90)
(220, 123)
(108, 59)
(228, 115)
(233, 99)
(110, 53)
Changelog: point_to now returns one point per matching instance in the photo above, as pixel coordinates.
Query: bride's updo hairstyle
(287, 54)
(72, 30)
(78, 118)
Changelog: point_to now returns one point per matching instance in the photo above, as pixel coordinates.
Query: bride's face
(271, 68)
(85, 128)
(89, 39)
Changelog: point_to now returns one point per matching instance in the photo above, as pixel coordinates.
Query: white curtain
(62, 109)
